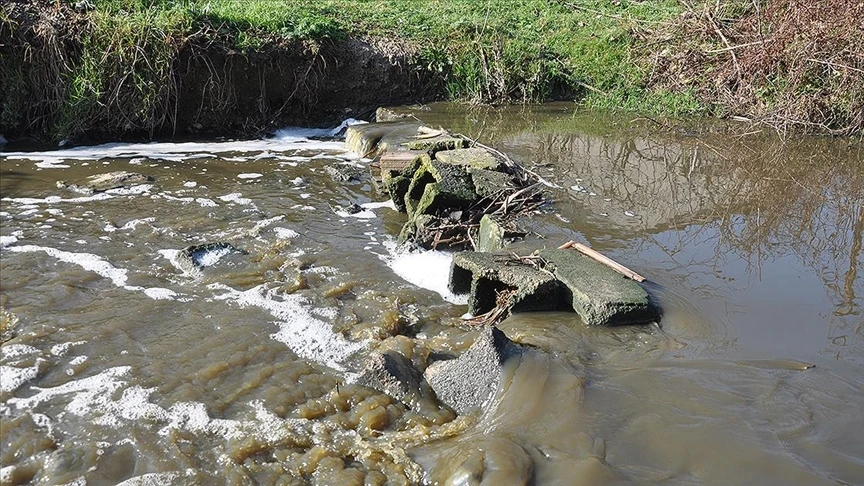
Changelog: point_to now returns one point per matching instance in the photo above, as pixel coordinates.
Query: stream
(120, 365)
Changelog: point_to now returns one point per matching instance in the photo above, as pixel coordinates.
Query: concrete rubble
(468, 382)
(444, 185)
(551, 280)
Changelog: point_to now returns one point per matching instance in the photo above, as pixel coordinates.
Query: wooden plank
(603, 259)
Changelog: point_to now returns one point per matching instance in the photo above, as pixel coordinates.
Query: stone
(107, 181)
(468, 382)
(491, 235)
(488, 183)
(600, 295)
(439, 186)
(483, 275)
(195, 257)
(344, 172)
(475, 157)
(395, 375)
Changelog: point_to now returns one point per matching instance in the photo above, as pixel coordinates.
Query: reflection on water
(128, 364)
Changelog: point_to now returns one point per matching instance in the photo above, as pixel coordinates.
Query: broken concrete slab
(600, 295)
(438, 186)
(395, 375)
(490, 237)
(484, 275)
(471, 380)
(475, 157)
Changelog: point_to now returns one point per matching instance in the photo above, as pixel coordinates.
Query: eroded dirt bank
(167, 84)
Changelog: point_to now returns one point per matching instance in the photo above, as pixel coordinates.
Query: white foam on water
(63, 348)
(365, 214)
(190, 184)
(376, 205)
(285, 233)
(212, 257)
(152, 479)
(236, 198)
(11, 351)
(84, 392)
(285, 140)
(99, 266)
(307, 336)
(158, 293)
(52, 164)
(99, 196)
(130, 225)
(12, 377)
(87, 261)
(425, 269)
(250, 175)
(206, 203)
(7, 241)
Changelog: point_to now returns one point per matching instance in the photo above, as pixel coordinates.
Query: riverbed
(122, 365)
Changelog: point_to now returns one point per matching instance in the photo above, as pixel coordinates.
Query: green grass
(121, 76)
(490, 51)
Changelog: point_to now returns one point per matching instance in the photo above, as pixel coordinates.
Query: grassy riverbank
(114, 66)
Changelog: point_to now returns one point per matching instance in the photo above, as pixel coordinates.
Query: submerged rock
(195, 257)
(344, 172)
(395, 375)
(471, 380)
(107, 181)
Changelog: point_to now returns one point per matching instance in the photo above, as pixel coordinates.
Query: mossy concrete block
(438, 186)
(491, 235)
(396, 186)
(488, 183)
(436, 144)
(600, 295)
(477, 158)
(470, 381)
(483, 275)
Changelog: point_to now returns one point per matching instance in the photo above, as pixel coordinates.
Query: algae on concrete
(436, 144)
(484, 275)
(437, 186)
(490, 237)
(600, 295)
(475, 157)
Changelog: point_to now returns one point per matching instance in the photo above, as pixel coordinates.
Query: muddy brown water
(119, 366)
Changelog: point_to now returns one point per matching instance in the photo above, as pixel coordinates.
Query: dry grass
(787, 63)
